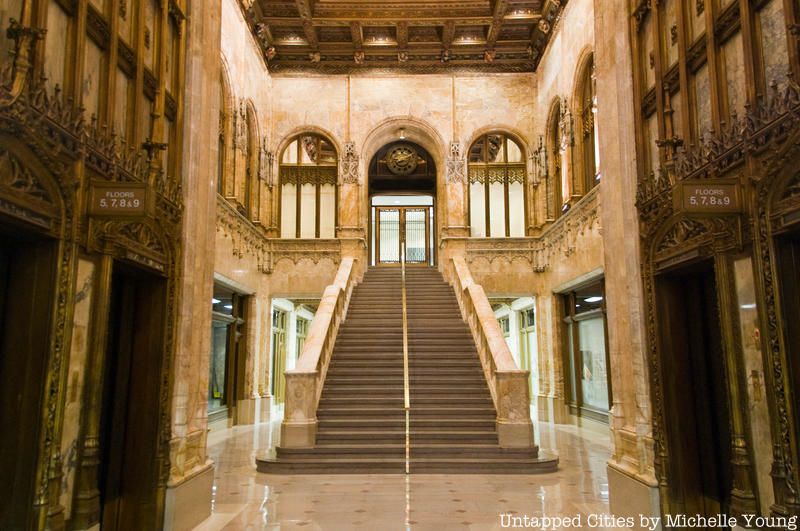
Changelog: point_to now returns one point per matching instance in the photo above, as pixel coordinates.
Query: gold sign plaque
(118, 199)
(709, 197)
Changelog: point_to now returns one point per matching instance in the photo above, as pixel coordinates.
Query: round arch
(511, 132)
(417, 131)
(289, 137)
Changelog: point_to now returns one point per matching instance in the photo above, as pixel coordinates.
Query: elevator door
(695, 393)
(789, 283)
(400, 226)
(27, 289)
(131, 408)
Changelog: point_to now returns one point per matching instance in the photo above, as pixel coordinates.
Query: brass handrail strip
(406, 393)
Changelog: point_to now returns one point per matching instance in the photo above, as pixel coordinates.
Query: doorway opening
(131, 400)
(27, 289)
(402, 189)
(695, 390)
(227, 361)
(402, 222)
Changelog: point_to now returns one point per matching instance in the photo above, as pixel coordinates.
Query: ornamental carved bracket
(565, 126)
(266, 160)
(349, 171)
(456, 164)
(539, 163)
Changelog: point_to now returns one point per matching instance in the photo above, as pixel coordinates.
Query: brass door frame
(402, 236)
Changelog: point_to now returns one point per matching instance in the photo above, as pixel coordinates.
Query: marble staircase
(361, 420)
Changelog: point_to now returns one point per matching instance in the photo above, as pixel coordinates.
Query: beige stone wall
(367, 111)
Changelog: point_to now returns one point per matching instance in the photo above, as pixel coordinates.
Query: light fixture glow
(229, 306)
(402, 133)
(520, 14)
(593, 299)
(215, 301)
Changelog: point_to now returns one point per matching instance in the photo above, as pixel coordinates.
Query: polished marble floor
(247, 500)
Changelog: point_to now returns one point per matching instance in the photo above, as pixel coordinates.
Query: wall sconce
(402, 133)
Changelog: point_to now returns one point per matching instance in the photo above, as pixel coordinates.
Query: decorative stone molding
(565, 126)
(298, 250)
(456, 165)
(252, 240)
(131, 241)
(266, 159)
(349, 171)
(246, 239)
(508, 250)
(539, 163)
(559, 240)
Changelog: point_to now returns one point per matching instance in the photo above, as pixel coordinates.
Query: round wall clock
(402, 159)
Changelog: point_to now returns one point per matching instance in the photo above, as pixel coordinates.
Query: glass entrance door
(396, 226)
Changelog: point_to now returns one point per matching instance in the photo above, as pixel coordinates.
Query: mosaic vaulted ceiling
(415, 36)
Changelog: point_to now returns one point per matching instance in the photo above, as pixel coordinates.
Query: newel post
(514, 426)
(299, 428)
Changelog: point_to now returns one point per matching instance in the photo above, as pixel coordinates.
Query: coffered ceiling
(414, 36)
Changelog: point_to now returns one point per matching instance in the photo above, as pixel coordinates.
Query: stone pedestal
(630, 497)
(188, 502)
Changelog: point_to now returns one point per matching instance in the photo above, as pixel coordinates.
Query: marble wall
(364, 112)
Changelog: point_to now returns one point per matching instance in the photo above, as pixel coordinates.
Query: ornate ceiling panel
(413, 36)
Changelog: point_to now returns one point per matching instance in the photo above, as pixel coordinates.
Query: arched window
(587, 109)
(496, 187)
(308, 172)
(555, 196)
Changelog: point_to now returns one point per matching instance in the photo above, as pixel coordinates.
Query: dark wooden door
(695, 393)
(789, 284)
(131, 407)
(27, 290)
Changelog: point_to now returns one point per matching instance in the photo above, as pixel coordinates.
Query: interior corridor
(246, 500)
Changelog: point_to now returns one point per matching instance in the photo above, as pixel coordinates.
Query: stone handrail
(304, 382)
(508, 384)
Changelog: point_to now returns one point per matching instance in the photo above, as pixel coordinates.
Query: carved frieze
(133, 241)
(308, 175)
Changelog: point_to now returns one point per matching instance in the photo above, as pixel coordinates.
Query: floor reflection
(247, 500)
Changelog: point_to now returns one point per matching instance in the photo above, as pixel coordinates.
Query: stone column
(350, 227)
(188, 498)
(632, 483)
(456, 187)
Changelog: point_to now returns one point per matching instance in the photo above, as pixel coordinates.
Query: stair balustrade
(304, 383)
(508, 384)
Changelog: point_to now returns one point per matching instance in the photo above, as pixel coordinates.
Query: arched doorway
(402, 205)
